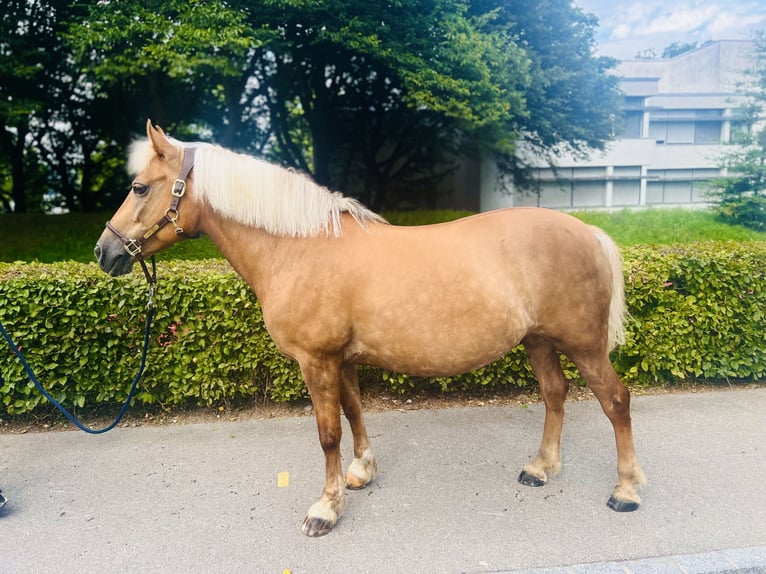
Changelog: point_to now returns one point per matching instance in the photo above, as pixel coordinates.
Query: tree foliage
(377, 99)
(677, 48)
(55, 119)
(741, 194)
(26, 30)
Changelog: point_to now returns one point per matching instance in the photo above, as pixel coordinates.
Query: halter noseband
(133, 246)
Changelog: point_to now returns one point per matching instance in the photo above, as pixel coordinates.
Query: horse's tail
(617, 307)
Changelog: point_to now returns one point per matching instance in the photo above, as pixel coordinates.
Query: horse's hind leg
(615, 401)
(553, 386)
(364, 468)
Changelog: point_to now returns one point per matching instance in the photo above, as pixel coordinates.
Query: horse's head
(152, 216)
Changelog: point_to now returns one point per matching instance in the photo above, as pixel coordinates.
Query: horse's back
(521, 250)
(451, 297)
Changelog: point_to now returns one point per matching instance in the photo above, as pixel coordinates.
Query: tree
(26, 29)
(646, 54)
(373, 98)
(187, 65)
(390, 93)
(741, 195)
(54, 134)
(678, 48)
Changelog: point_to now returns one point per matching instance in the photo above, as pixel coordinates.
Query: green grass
(48, 238)
(71, 237)
(667, 226)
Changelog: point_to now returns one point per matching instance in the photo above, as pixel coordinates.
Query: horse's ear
(160, 142)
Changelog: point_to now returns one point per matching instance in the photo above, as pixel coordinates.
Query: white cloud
(682, 20)
(621, 31)
(728, 23)
(626, 28)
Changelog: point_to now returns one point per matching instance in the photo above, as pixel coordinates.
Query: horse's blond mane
(260, 194)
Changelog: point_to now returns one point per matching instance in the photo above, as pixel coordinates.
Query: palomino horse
(339, 287)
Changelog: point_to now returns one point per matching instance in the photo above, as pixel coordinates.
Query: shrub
(746, 210)
(82, 331)
(424, 217)
(741, 196)
(697, 311)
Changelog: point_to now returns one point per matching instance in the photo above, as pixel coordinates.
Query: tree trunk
(87, 197)
(232, 133)
(321, 154)
(18, 175)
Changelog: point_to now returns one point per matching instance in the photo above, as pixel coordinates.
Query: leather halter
(133, 246)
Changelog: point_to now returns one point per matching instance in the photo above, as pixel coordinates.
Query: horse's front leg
(364, 467)
(323, 382)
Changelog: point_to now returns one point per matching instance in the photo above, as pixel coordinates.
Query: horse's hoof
(353, 482)
(529, 479)
(622, 505)
(316, 526)
(362, 471)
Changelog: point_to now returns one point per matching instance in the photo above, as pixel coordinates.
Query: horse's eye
(139, 188)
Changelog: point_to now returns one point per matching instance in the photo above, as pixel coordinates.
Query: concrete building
(679, 115)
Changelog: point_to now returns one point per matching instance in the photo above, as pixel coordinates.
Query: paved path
(205, 497)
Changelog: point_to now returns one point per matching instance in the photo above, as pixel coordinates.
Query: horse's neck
(252, 252)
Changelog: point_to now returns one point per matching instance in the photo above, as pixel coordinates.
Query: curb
(732, 561)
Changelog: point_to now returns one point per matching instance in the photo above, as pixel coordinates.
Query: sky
(627, 27)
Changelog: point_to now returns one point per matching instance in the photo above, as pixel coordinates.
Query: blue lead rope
(62, 408)
(151, 278)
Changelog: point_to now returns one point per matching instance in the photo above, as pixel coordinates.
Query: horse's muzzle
(112, 257)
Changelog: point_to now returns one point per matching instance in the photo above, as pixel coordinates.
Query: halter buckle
(179, 188)
(133, 247)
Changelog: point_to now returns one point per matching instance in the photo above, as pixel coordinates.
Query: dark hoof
(529, 480)
(316, 527)
(622, 505)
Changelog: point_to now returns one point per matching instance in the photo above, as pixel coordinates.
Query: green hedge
(697, 312)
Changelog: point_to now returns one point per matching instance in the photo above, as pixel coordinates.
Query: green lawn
(48, 238)
(667, 226)
(71, 237)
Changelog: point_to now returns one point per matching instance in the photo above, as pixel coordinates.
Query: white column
(642, 192)
(609, 185)
(726, 131)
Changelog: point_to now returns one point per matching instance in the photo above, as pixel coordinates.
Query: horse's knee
(620, 397)
(329, 437)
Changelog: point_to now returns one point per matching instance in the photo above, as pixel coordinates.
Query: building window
(673, 186)
(707, 132)
(567, 187)
(686, 126)
(588, 193)
(626, 185)
(631, 125)
(633, 102)
(701, 183)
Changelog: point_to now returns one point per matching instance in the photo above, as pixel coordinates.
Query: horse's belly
(435, 348)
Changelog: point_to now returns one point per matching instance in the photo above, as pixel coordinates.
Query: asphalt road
(230, 497)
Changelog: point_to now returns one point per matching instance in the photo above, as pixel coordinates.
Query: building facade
(680, 114)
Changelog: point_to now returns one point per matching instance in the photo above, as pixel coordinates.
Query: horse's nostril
(97, 252)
